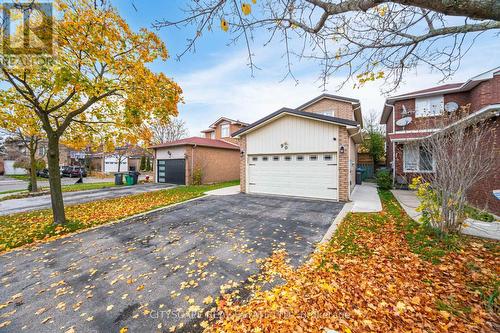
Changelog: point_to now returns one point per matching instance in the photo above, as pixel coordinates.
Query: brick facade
(217, 165)
(343, 163)
(483, 94)
(341, 109)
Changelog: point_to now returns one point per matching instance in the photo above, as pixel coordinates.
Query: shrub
(197, 176)
(384, 180)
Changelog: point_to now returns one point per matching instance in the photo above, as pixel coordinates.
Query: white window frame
(212, 135)
(329, 112)
(416, 156)
(224, 131)
(429, 106)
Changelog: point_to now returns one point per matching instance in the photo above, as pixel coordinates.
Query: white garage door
(304, 175)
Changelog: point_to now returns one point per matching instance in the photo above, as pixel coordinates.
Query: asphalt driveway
(123, 275)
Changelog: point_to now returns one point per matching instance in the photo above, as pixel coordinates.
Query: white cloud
(227, 89)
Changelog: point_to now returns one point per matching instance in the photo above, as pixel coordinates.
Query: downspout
(393, 145)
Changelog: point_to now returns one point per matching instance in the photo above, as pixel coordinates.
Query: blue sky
(217, 82)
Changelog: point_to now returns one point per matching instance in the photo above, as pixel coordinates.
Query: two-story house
(417, 114)
(213, 158)
(223, 128)
(308, 151)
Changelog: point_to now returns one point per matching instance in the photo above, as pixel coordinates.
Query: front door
(172, 171)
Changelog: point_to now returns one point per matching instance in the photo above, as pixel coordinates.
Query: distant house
(15, 149)
(213, 158)
(129, 159)
(422, 109)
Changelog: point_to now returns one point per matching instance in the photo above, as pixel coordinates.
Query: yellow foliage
(246, 8)
(224, 25)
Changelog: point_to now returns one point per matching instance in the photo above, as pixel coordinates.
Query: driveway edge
(39, 243)
(340, 216)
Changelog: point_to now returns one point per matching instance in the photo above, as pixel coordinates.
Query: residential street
(174, 260)
(41, 202)
(9, 184)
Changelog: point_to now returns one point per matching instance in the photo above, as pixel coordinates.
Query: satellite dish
(403, 121)
(451, 107)
(404, 112)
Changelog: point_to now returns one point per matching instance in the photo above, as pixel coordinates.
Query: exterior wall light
(342, 149)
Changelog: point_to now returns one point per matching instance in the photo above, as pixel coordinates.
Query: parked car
(44, 173)
(74, 171)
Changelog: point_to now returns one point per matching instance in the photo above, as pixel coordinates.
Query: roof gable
(287, 111)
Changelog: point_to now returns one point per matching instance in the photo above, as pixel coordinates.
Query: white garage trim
(311, 175)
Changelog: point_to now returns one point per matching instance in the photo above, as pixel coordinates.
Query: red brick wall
(342, 110)
(480, 195)
(343, 161)
(217, 165)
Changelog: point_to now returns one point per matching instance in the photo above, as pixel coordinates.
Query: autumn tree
(359, 40)
(98, 76)
(171, 130)
(373, 137)
(16, 119)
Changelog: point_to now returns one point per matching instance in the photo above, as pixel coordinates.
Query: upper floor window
(212, 135)
(224, 130)
(330, 113)
(429, 106)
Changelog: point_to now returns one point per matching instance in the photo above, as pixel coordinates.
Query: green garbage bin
(129, 180)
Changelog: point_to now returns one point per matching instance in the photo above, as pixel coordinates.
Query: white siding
(175, 153)
(302, 135)
(11, 170)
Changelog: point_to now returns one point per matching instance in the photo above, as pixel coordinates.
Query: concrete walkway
(365, 199)
(225, 191)
(71, 198)
(410, 202)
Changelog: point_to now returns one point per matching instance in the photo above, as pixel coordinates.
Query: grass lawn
(25, 177)
(65, 188)
(381, 272)
(25, 228)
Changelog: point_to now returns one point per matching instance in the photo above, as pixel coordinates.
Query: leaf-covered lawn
(380, 273)
(65, 188)
(25, 228)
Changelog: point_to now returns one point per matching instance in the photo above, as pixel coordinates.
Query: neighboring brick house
(309, 151)
(180, 161)
(15, 149)
(423, 111)
(223, 128)
(215, 157)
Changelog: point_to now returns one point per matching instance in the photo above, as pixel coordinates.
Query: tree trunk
(55, 180)
(33, 180)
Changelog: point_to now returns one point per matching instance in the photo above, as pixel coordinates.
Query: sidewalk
(410, 202)
(70, 198)
(365, 199)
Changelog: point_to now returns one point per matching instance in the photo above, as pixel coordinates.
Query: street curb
(35, 245)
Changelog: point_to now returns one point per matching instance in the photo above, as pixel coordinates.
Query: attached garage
(296, 153)
(304, 175)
